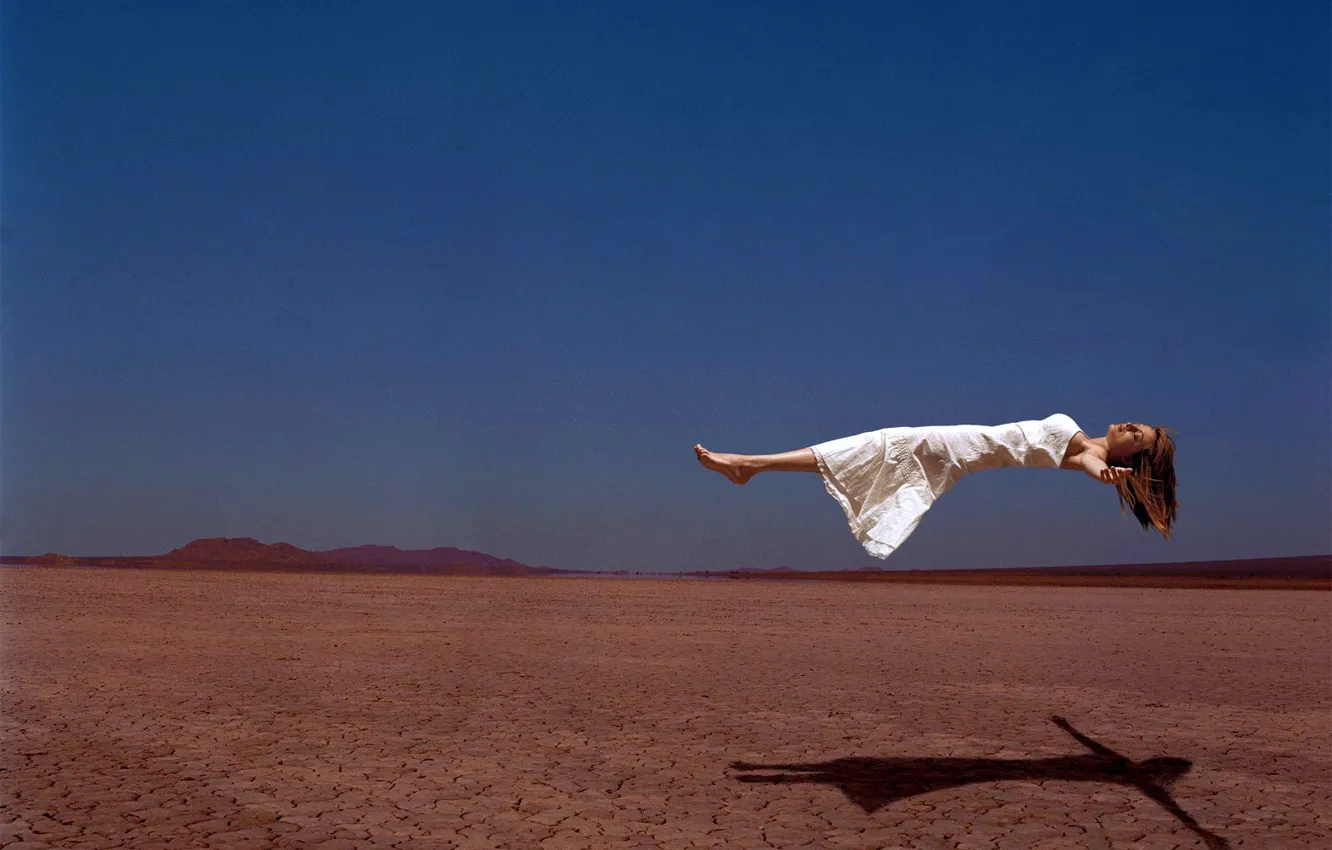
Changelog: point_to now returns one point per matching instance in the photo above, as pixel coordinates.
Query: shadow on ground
(873, 783)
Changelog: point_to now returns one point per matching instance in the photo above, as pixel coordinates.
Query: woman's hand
(1102, 471)
(1114, 474)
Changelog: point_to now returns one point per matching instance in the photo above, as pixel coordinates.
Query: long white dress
(886, 480)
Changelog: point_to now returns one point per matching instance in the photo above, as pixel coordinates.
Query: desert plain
(148, 709)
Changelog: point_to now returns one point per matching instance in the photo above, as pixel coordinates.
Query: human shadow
(873, 783)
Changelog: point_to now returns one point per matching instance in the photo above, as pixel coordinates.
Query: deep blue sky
(344, 273)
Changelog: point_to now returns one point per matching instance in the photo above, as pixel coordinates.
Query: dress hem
(872, 546)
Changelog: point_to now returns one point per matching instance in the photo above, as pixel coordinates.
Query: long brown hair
(1149, 493)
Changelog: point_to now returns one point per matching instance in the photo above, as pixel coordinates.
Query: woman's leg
(741, 468)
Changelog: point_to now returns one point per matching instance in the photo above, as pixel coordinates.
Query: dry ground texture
(146, 709)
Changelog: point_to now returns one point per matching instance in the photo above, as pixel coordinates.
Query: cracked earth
(146, 710)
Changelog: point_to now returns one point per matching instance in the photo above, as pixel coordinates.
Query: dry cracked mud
(146, 710)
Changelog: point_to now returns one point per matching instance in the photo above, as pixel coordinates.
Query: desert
(165, 708)
(659, 426)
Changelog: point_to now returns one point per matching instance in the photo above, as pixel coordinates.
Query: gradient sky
(479, 275)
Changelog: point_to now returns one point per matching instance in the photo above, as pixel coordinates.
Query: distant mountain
(1298, 566)
(1303, 571)
(248, 553)
(241, 550)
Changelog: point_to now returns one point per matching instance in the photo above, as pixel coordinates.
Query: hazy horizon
(414, 275)
(870, 562)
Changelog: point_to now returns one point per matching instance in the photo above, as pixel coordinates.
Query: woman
(885, 480)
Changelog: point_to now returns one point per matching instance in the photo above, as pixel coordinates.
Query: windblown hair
(1149, 493)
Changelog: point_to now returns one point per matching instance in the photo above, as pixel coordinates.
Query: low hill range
(1301, 572)
(249, 550)
(241, 550)
(247, 553)
(1298, 566)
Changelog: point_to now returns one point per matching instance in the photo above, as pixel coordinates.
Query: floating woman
(886, 480)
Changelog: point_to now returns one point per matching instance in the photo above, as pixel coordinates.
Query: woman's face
(1128, 438)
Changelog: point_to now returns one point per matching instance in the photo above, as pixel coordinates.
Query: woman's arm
(1101, 471)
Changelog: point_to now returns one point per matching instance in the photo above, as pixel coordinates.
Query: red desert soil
(152, 709)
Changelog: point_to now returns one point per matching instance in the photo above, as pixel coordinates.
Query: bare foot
(726, 464)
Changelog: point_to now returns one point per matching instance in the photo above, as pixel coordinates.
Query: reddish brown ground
(149, 709)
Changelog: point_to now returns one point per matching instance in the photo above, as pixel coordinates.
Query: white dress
(886, 480)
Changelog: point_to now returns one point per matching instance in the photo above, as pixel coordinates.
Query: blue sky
(438, 274)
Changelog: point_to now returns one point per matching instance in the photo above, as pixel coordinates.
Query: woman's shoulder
(1075, 440)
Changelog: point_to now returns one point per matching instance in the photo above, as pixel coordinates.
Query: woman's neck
(1100, 443)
